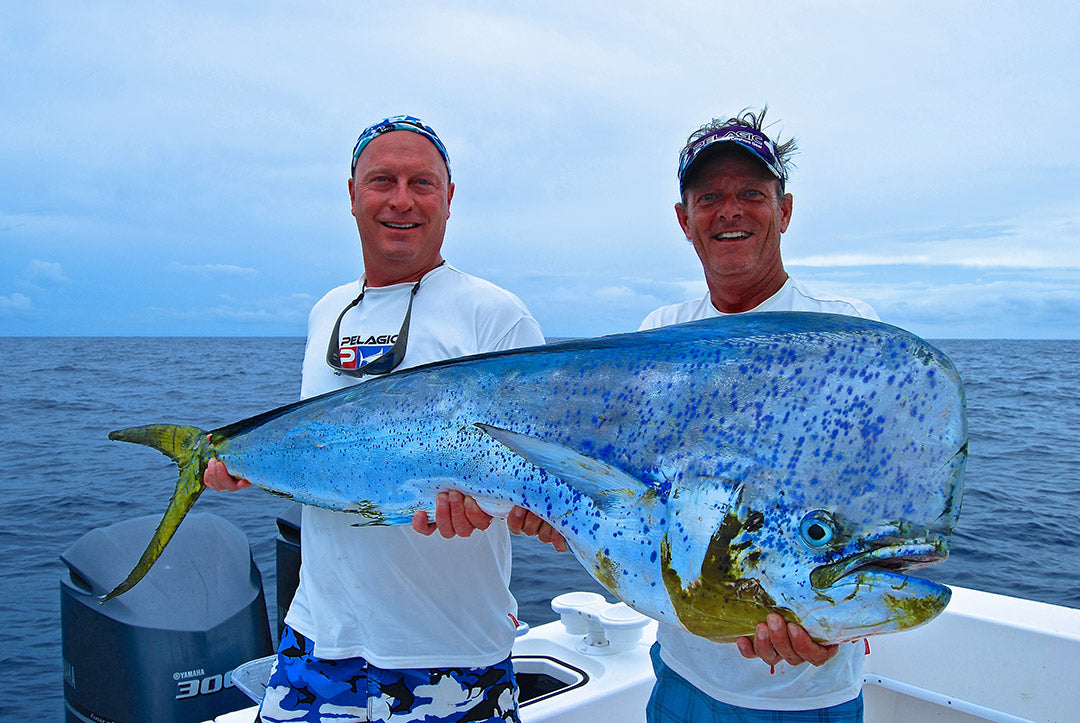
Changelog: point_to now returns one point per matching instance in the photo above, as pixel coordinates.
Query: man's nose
(401, 195)
(729, 207)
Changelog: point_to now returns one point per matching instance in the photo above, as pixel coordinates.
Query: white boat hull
(986, 658)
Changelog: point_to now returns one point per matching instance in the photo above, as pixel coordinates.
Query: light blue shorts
(674, 700)
(305, 688)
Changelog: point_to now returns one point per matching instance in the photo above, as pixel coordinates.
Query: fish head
(862, 586)
(840, 579)
(841, 474)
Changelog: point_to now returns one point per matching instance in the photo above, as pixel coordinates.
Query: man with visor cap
(388, 624)
(733, 209)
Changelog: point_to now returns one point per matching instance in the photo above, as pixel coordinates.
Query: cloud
(615, 294)
(574, 305)
(963, 303)
(1041, 237)
(225, 132)
(50, 272)
(37, 278)
(286, 312)
(15, 302)
(1032, 259)
(212, 269)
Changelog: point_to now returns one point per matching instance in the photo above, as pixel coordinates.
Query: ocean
(62, 477)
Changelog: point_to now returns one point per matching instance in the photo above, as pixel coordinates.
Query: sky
(180, 168)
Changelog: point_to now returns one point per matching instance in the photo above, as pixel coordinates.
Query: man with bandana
(733, 209)
(387, 622)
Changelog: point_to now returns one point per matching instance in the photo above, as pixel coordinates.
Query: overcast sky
(179, 168)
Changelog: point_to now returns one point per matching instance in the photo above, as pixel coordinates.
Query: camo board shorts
(309, 689)
(674, 699)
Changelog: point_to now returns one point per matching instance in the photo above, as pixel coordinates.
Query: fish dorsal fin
(608, 487)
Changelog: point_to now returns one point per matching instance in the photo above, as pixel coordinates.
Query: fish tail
(187, 446)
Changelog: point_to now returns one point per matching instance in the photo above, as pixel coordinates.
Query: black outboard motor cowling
(287, 562)
(164, 651)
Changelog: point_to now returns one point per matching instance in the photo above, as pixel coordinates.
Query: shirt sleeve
(525, 332)
(652, 321)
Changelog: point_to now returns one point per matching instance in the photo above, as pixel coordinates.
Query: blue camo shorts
(674, 700)
(305, 688)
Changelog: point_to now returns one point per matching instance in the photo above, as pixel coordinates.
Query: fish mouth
(881, 563)
(869, 592)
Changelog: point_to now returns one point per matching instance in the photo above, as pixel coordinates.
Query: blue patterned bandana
(397, 123)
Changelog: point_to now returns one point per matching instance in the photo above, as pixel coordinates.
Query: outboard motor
(164, 651)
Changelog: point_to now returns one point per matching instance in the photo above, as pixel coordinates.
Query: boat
(987, 657)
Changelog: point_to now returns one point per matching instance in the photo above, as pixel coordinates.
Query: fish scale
(705, 473)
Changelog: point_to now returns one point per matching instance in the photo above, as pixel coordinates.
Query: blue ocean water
(62, 477)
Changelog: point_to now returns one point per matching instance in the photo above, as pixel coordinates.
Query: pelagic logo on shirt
(356, 351)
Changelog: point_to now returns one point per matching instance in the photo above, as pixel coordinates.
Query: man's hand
(458, 515)
(522, 522)
(777, 639)
(216, 477)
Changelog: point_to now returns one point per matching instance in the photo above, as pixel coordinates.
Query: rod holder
(606, 628)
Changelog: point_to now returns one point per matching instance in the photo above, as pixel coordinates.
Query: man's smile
(732, 235)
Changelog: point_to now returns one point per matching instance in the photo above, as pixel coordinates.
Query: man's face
(734, 216)
(400, 196)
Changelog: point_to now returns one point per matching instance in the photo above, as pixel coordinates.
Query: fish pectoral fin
(607, 486)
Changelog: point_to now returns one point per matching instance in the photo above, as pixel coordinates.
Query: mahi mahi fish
(705, 473)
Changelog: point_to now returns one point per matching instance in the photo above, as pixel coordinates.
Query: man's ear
(785, 212)
(683, 216)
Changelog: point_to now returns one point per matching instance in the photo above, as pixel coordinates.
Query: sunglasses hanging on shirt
(385, 362)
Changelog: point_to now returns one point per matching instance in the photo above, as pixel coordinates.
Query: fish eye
(818, 529)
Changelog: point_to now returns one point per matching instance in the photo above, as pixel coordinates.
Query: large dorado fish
(705, 473)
